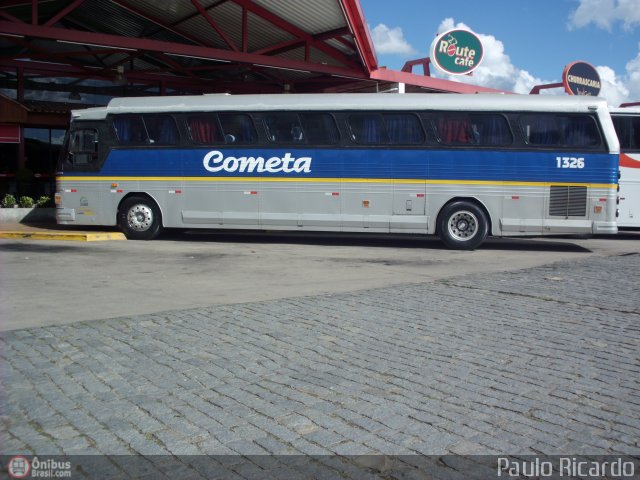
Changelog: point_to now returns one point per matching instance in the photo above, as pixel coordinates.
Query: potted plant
(25, 209)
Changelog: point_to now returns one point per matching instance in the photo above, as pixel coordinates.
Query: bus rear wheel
(139, 218)
(463, 225)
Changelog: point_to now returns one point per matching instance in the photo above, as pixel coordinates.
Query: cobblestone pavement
(537, 361)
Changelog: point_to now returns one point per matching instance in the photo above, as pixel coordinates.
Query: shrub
(26, 202)
(9, 201)
(43, 202)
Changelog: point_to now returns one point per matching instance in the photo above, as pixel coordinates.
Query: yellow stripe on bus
(334, 180)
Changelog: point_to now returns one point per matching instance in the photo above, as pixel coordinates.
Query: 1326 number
(570, 162)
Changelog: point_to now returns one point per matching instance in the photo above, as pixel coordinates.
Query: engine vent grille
(568, 201)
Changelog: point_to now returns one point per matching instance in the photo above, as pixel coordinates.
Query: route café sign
(457, 52)
(581, 78)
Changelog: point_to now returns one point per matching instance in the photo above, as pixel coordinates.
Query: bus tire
(462, 225)
(139, 218)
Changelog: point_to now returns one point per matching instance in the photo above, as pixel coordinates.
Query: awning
(9, 133)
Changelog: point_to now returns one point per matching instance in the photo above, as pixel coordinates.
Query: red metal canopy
(145, 47)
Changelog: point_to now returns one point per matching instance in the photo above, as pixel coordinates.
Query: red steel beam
(48, 69)
(296, 32)
(64, 12)
(297, 42)
(147, 45)
(425, 62)
(245, 30)
(280, 47)
(10, 17)
(230, 43)
(40, 52)
(15, 3)
(171, 62)
(330, 34)
(358, 25)
(146, 16)
(536, 90)
(431, 83)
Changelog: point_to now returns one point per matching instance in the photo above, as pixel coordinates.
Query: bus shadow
(369, 240)
(628, 234)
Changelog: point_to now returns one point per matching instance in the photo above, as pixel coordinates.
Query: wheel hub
(463, 225)
(140, 218)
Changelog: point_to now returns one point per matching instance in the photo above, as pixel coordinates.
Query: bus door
(627, 125)
(77, 173)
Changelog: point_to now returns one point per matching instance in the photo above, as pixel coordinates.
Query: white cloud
(633, 78)
(390, 41)
(605, 13)
(613, 87)
(448, 24)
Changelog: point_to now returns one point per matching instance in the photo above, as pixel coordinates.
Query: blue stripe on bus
(376, 163)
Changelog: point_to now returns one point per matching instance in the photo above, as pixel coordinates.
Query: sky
(526, 42)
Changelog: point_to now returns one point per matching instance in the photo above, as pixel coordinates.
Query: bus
(627, 124)
(462, 167)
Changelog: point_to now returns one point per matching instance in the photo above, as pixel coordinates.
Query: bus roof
(342, 101)
(625, 110)
(93, 113)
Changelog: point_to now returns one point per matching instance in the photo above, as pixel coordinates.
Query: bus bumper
(605, 228)
(65, 215)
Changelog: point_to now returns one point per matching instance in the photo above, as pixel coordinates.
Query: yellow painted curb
(68, 236)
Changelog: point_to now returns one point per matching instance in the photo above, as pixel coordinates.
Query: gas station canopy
(151, 47)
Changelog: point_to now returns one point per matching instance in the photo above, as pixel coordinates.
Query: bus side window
(454, 129)
(368, 129)
(83, 147)
(579, 131)
(284, 128)
(204, 129)
(623, 131)
(404, 128)
(490, 130)
(540, 129)
(130, 130)
(238, 128)
(628, 130)
(320, 128)
(162, 129)
(634, 134)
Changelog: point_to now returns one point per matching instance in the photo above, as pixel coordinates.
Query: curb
(40, 224)
(68, 236)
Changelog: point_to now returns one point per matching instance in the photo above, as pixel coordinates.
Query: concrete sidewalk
(52, 231)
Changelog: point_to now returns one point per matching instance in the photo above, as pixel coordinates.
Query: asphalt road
(53, 283)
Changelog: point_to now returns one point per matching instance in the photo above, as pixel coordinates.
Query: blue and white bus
(627, 124)
(459, 166)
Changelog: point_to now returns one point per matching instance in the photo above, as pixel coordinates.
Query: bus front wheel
(463, 225)
(139, 218)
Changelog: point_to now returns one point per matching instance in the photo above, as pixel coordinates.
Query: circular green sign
(457, 52)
